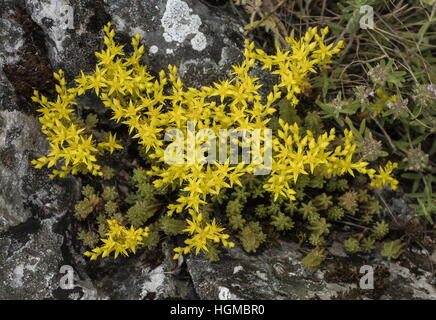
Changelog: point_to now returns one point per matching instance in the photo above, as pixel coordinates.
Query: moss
(141, 211)
(380, 230)
(89, 238)
(88, 191)
(316, 182)
(252, 236)
(220, 198)
(240, 194)
(309, 212)
(336, 213)
(314, 258)
(91, 121)
(257, 192)
(302, 182)
(322, 201)
(261, 211)
(234, 208)
(213, 253)
(153, 237)
(236, 221)
(144, 189)
(274, 209)
(313, 122)
(111, 207)
(341, 185)
(320, 226)
(108, 172)
(348, 201)
(372, 207)
(368, 244)
(208, 212)
(119, 218)
(352, 245)
(83, 209)
(367, 218)
(331, 186)
(102, 226)
(171, 226)
(363, 196)
(290, 207)
(316, 239)
(282, 222)
(109, 194)
(393, 249)
(361, 180)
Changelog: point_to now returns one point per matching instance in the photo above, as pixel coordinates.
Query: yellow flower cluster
(202, 234)
(151, 106)
(119, 239)
(295, 155)
(384, 178)
(70, 144)
(294, 65)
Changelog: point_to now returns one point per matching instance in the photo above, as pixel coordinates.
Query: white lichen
(199, 42)
(237, 269)
(262, 275)
(136, 30)
(155, 280)
(179, 24)
(17, 276)
(61, 16)
(11, 37)
(153, 50)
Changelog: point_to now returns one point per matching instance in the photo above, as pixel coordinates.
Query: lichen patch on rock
(179, 24)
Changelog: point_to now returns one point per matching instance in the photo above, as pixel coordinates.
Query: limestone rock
(277, 273)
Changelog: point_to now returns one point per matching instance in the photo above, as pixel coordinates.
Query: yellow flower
(111, 145)
(118, 239)
(384, 177)
(201, 235)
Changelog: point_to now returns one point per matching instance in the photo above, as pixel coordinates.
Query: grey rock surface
(30, 204)
(202, 41)
(30, 261)
(72, 31)
(277, 273)
(272, 274)
(17, 141)
(11, 37)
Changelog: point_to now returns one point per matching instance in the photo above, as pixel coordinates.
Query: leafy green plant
(393, 249)
(314, 258)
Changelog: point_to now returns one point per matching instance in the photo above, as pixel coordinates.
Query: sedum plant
(118, 240)
(152, 106)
